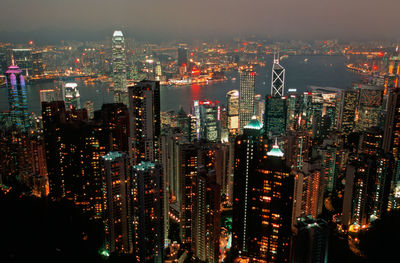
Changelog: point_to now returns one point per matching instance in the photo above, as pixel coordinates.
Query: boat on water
(284, 57)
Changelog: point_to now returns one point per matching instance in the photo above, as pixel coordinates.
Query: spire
(12, 60)
(275, 151)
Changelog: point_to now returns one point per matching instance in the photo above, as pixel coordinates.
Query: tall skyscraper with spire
(119, 68)
(246, 96)
(278, 78)
(276, 104)
(17, 98)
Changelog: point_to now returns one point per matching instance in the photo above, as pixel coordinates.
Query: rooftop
(275, 151)
(13, 69)
(118, 33)
(254, 124)
(111, 156)
(144, 166)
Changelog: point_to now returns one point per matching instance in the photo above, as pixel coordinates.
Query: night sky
(365, 19)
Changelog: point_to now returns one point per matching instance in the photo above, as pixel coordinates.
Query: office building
(278, 78)
(246, 96)
(119, 68)
(232, 98)
(47, 95)
(259, 107)
(312, 241)
(145, 123)
(249, 149)
(89, 106)
(208, 123)
(17, 98)
(72, 97)
(206, 219)
(347, 108)
(262, 210)
(275, 117)
(182, 57)
(117, 202)
(148, 216)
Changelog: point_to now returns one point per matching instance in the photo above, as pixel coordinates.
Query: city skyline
(237, 149)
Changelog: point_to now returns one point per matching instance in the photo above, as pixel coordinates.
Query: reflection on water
(319, 71)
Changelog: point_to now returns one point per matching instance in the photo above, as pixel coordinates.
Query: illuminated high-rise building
(246, 96)
(367, 189)
(369, 107)
(119, 68)
(263, 199)
(37, 63)
(145, 122)
(182, 56)
(278, 79)
(89, 106)
(73, 152)
(347, 111)
(17, 98)
(310, 245)
(188, 168)
(259, 107)
(275, 117)
(249, 150)
(117, 202)
(391, 143)
(115, 120)
(208, 123)
(47, 95)
(148, 221)
(309, 191)
(206, 219)
(72, 97)
(232, 98)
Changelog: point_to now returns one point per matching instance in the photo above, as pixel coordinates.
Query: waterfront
(301, 71)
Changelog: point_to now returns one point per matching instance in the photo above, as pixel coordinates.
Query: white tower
(119, 68)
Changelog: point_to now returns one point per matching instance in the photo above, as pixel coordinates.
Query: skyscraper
(232, 98)
(275, 116)
(311, 241)
(259, 107)
(271, 215)
(347, 108)
(119, 68)
(145, 123)
(249, 149)
(148, 196)
(206, 219)
(263, 194)
(182, 56)
(208, 123)
(89, 106)
(72, 97)
(117, 202)
(278, 79)
(47, 95)
(246, 96)
(17, 98)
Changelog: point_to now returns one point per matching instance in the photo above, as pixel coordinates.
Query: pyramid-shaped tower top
(254, 124)
(275, 151)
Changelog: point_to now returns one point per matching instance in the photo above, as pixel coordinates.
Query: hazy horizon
(43, 20)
